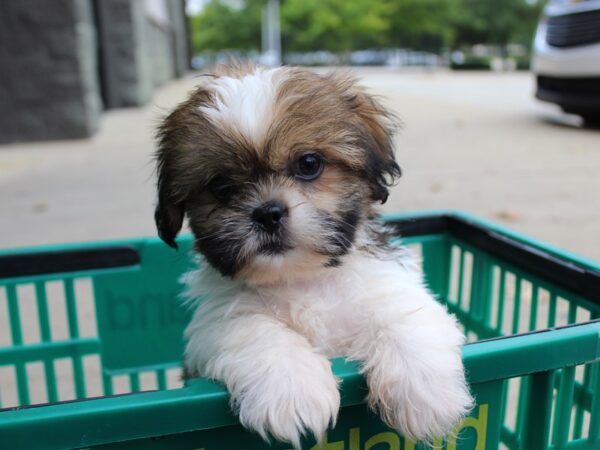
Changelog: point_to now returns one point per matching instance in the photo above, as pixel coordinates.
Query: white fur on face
(245, 104)
(270, 346)
(304, 232)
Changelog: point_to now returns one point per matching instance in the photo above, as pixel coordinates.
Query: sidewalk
(471, 141)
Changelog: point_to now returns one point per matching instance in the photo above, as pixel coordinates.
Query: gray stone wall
(49, 86)
(180, 41)
(63, 61)
(120, 68)
(155, 53)
(139, 53)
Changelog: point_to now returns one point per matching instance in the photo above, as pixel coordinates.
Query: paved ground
(472, 141)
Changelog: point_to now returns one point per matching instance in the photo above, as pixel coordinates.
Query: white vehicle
(566, 57)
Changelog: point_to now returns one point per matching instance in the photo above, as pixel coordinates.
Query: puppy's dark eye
(222, 188)
(309, 166)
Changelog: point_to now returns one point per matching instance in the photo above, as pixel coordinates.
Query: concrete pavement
(471, 141)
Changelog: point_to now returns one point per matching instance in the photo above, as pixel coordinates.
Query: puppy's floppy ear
(169, 211)
(168, 216)
(381, 168)
(179, 136)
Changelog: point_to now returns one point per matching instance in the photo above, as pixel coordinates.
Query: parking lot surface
(477, 142)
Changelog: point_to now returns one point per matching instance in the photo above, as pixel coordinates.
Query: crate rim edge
(127, 246)
(391, 216)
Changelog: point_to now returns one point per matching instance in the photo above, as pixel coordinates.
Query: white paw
(291, 401)
(421, 406)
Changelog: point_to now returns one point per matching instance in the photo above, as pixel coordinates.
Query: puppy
(278, 172)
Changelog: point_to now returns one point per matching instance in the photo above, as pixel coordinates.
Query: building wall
(181, 50)
(141, 46)
(119, 66)
(63, 61)
(155, 54)
(48, 70)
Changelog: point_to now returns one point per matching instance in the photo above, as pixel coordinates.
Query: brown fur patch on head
(183, 137)
(233, 69)
(335, 116)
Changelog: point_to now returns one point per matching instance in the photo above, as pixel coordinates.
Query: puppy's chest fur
(328, 309)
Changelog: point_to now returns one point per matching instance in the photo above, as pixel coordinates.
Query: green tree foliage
(336, 25)
(495, 21)
(422, 24)
(343, 25)
(225, 25)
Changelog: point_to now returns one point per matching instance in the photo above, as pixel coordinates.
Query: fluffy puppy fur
(278, 172)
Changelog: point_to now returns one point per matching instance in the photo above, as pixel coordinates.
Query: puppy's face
(275, 169)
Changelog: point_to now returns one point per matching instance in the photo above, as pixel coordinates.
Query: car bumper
(580, 61)
(577, 95)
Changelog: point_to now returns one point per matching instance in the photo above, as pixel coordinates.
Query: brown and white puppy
(278, 172)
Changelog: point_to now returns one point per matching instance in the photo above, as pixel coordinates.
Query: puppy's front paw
(421, 406)
(289, 402)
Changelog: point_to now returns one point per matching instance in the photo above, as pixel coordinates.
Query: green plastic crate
(101, 320)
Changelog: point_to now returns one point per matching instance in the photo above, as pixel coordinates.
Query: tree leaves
(345, 25)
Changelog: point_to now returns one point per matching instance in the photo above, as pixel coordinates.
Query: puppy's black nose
(269, 215)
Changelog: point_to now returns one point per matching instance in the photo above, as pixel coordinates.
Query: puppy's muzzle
(269, 216)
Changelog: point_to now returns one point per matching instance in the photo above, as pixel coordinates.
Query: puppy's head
(275, 169)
